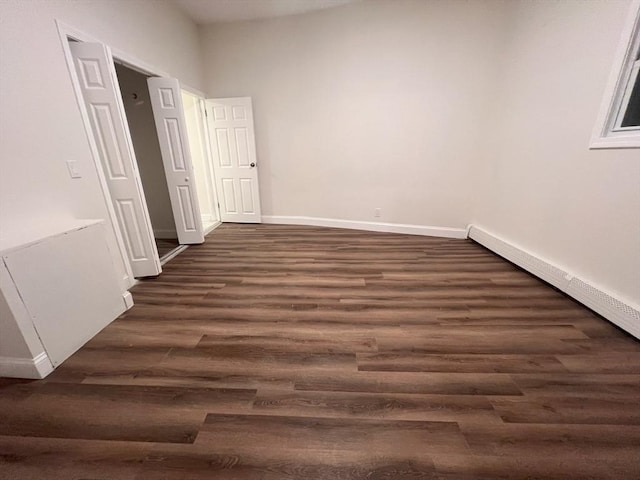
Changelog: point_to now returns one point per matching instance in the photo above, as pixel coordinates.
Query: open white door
(166, 101)
(101, 95)
(234, 153)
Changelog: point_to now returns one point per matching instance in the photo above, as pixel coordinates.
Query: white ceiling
(214, 11)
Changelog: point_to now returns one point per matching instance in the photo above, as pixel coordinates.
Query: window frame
(607, 132)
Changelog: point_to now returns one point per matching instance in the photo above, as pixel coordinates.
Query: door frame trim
(204, 120)
(203, 125)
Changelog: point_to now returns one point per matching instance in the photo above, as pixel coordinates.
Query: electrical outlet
(377, 212)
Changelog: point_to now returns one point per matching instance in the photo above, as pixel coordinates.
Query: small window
(630, 108)
(618, 124)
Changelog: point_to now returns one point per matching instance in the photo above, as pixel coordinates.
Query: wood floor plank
(36, 458)
(607, 362)
(184, 377)
(569, 410)
(533, 466)
(201, 462)
(392, 438)
(582, 385)
(243, 357)
(443, 408)
(143, 414)
(487, 343)
(459, 363)
(311, 330)
(118, 336)
(309, 343)
(621, 343)
(569, 442)
(119, 360)
(411, 382)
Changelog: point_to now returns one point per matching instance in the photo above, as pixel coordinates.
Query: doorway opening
(194, 113)
(144, 136)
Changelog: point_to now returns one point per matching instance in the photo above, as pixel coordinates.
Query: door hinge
(205, 113)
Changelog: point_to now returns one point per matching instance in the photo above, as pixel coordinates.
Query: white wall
(147, 148)
(543, 189)
(377, 104)
(40, 122)
(12, 343)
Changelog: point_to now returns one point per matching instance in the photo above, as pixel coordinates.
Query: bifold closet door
(101, 94)
(166, 101)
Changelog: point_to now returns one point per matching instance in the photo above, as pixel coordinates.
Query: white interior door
(234, 159)
(166, 101)
(100, 91)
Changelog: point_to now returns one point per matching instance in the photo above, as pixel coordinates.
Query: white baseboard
(212, 227)
(624, 315)
(173, 253)
(446, 232)
(36, 368)
(208, 218)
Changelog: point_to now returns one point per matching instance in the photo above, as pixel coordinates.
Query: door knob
(252, 164)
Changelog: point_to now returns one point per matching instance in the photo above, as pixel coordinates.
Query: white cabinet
(60, 289)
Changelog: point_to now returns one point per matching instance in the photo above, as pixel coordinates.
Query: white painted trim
(625, 141)
(202, 102)
(19, 239)
(212, 227)
(602, 135)
(207, 218)
(173, 253)
(209, 180)
(127, 298)
(446, 232)
(617, 311)
(36, 368)
(21, 315)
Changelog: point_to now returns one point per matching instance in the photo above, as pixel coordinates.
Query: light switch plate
(74, 171)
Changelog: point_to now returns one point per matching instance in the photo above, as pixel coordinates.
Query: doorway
(139, 114)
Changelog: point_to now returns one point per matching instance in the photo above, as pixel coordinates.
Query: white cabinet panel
(69, 287)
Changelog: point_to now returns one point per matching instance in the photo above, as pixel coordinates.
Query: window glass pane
(632, 114)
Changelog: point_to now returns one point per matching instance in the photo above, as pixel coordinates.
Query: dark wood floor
(166, 245)
(274, 352)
